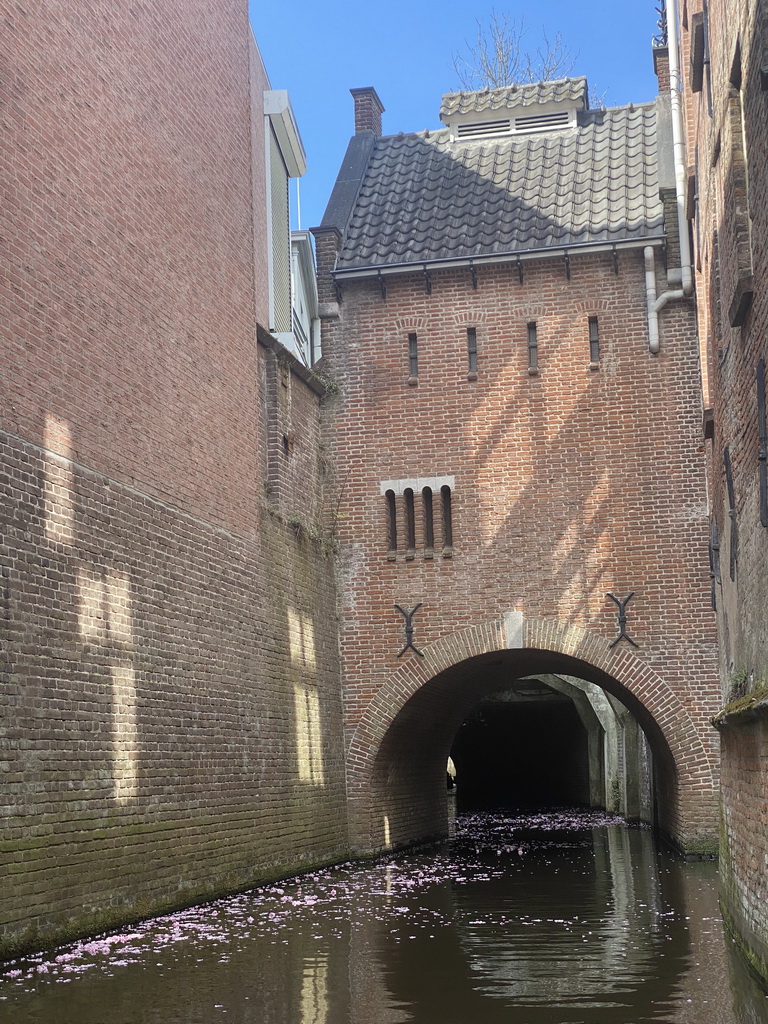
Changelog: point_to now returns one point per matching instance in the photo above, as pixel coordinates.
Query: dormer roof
(536, 106)
(568, 92)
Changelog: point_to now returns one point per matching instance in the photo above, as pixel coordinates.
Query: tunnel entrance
(525, 748)
(515, 714)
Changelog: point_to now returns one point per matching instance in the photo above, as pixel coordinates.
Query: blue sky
(318, 51)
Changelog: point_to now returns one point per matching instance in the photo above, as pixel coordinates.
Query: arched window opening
(429, 527)
(445, 494)
(410, 522)
(391, 522)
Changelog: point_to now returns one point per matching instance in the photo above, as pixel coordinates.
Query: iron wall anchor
(408, 616)
(622, 606)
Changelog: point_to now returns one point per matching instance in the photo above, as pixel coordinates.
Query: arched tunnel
(525, 729)
(524, 747)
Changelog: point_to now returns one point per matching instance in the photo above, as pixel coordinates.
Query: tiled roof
(573, 90)
(423, 197)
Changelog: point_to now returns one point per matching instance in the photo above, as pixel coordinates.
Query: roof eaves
(512, 256)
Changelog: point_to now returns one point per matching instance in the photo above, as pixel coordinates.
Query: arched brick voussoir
(513, 631)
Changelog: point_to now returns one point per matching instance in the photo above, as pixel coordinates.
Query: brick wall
(569, 483)
(129, 221)
(171, 717)
(728, 122)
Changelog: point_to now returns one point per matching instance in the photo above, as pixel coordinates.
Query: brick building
(170, 708)
(512, 446)
(723, 75)
(517, 439)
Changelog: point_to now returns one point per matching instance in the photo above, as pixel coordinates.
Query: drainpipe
(678, 147)
(682, 278)
(654, 303)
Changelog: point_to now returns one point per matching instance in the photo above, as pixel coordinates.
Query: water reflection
(543, 920)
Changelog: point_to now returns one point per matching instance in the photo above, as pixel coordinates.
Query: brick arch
(694, 765)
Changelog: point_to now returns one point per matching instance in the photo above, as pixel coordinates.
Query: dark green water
(547, 919)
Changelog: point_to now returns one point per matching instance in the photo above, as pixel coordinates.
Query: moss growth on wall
(745, 708)
(757, 963)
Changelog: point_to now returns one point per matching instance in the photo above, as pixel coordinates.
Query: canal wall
(170, 707)
(723, 46)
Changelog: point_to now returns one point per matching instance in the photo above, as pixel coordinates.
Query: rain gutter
(511, 256)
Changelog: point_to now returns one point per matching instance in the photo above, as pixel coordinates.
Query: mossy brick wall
(744, 858)
(170, 703)
(728, 126)
(171, 718)
(570, 483)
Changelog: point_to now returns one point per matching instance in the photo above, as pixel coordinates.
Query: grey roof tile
(564, 89)
(423, 197)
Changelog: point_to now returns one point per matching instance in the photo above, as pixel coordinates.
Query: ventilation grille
(541, 122)
(470, 131)
(520, 125)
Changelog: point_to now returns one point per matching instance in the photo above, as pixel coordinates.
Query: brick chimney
(661, 67)
(368, 110)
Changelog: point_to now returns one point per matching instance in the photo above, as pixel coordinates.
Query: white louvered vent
(542, 122)
(483, 128)
(518, 126)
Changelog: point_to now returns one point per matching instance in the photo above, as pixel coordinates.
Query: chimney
(368, 110)
(661, 67)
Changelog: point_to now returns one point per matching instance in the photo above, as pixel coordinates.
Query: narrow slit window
(594, 340)
(445, 494)
(410, 519)
(413, 355)
(472, 349)
(533, 346)
(391, 521)
(734, 531)
(429, 526)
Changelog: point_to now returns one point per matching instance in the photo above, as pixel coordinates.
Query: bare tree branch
(497, 58)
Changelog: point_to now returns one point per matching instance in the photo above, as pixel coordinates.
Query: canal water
(557, 918)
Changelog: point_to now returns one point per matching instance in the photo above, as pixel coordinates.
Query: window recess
(413, 359)
(594, 341)
(697, 51)
(472, 353)
(391, 522)
(533, 348)
(400, 498)
(429, 523)
(734, 531)
(410, 523)
(447, 510)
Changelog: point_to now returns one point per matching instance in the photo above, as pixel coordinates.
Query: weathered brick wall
(743, 844)
(129, 219)
(170, 701)
(171, 710)
(570, 483)
(729, 123)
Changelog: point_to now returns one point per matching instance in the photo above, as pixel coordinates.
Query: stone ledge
(744, 710)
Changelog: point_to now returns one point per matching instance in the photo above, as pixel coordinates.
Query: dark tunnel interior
(525, 755)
